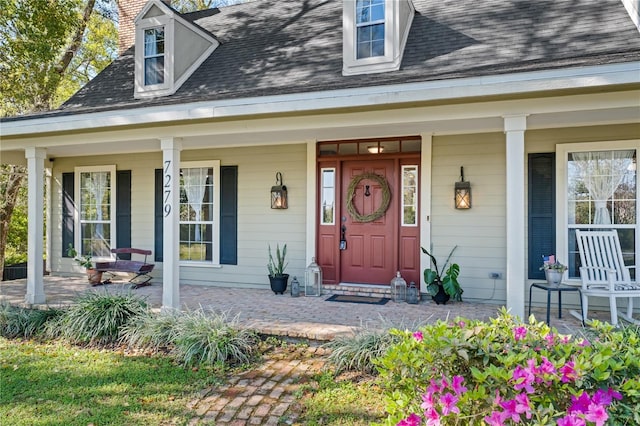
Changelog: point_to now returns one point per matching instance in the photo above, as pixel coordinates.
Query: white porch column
(425, 202)
(514, 128)
(35, 228)
(311, 201)
(171, 148)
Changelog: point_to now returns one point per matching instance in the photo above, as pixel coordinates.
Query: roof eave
(526, 83)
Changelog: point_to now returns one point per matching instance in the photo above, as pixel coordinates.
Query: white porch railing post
(35, 228)
(514, 128)
(171, 148)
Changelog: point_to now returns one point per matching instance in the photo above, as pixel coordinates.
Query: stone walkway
(261, 396)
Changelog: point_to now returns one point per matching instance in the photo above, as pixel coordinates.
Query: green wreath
(384, 205)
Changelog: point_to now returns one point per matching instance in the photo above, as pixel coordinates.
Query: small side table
(549, 288)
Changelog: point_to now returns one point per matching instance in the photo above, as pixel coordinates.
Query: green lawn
(56, 384)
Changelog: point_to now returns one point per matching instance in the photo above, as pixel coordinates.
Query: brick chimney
(127, 12)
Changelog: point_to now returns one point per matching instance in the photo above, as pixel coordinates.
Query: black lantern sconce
(279, 194)
(462, 192)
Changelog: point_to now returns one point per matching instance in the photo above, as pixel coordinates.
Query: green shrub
(212, 338)
(22, 322)
(97, 317)
(501, 372)
(357, 352)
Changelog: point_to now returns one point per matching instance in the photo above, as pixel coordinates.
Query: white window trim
(215, 230)
(562, 214)
(112, 211)
(394, 42)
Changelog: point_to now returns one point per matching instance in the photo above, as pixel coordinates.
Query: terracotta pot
(94, 277)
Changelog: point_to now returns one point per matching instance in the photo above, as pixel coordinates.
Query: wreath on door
(384, 205)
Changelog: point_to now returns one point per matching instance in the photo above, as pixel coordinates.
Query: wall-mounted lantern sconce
(462, 192)
(279, 194)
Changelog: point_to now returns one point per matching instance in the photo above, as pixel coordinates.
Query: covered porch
(302, 317)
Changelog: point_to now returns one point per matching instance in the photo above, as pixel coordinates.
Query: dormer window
(370, 28)
(374, 35)
(154, 56)
(168, 50)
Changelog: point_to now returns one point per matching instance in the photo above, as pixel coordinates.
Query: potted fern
(276, 266)
(443, 284)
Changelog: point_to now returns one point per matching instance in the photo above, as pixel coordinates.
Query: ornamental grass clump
(152, 331)
(97, 318)
(23, 322)
(209, 337)
(505, 372)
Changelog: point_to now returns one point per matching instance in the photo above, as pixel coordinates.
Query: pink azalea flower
(412, 420)
(432, 417)
(444, 382)
(547, 366)
(519, 333)
(597, 414)
(571, 420)
(418, 336)
(461, 324)
(427, 401)
(568, 372)
(434, 387)
(580, 404)
(510, 410)
(603, 397)
(523, 405)
(448, 402)
(495, 419)
(550, 338)
(456, 385)
(583, 343)
(523, 378)
(565, 339)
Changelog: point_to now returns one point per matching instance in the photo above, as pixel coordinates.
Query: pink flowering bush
(505, 372)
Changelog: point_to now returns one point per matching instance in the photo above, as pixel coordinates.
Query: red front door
(369, 251)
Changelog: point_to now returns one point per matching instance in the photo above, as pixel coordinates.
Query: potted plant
(95, 277)
(277, 278)
(553, 270)
(443, 286)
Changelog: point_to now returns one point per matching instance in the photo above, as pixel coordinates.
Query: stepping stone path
(261, 396)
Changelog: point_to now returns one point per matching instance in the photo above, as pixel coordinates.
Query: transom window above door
(370, 147)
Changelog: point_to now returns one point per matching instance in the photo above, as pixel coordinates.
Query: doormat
(358, 299)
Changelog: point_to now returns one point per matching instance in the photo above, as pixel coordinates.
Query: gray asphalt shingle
(271, 47)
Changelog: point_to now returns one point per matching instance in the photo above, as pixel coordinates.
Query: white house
(368, 110)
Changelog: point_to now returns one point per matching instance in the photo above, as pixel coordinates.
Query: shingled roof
(274, 47)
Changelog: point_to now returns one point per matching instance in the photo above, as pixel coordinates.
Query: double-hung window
(369, 28)
(601, 194)
(96, 210)
(154, 56)
(200, 212)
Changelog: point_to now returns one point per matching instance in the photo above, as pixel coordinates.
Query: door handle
(343, 237)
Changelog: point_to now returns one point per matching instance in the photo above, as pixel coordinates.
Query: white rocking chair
(604, 274)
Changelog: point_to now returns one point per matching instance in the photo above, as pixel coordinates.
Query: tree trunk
(10, 190)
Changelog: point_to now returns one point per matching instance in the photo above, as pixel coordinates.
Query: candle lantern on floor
(398, 288)
(313, 279)
(295, 287)
(413, 296)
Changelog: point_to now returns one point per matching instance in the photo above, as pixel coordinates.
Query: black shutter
(123, 210)
(158, 217)
(229, 215)
(68, 210)
(542, 209)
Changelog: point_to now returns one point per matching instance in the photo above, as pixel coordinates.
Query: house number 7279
(167, 188)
